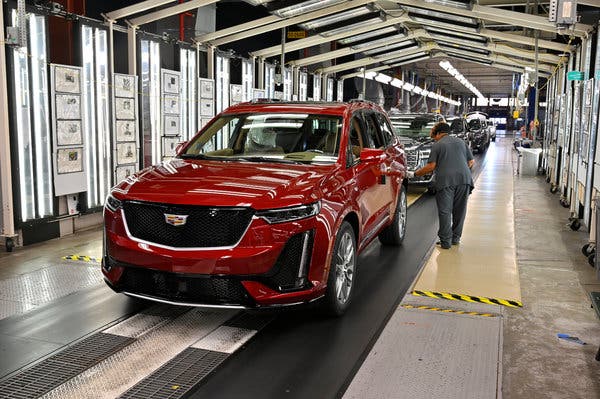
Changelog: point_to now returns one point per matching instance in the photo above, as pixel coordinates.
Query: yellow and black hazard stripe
(469, 298)
(80, 258)
(449, 310)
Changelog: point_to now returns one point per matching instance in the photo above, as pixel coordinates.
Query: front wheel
(395, 232)
(342, 272)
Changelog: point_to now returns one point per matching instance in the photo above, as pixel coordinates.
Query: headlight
(424, 154)
(281, 215)
(112, 204)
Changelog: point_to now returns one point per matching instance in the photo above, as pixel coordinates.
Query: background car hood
(217, 183)
(411, 143)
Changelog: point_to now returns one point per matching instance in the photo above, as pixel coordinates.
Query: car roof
(310, 107)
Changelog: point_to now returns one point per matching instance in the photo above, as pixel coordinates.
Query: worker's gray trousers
(452, 208)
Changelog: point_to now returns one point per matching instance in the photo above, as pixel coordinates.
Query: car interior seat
(262, 140)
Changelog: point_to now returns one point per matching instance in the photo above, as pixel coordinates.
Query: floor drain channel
(57, 369)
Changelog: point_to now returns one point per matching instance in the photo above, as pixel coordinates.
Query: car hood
(412, 143)
(217, 183)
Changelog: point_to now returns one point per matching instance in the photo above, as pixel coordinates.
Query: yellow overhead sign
(296, 34)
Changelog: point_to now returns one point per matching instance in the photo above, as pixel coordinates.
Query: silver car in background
(413, 131)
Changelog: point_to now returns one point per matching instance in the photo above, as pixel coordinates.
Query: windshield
(456, 126)
(278, 137)
(412, 125)
(475, 124)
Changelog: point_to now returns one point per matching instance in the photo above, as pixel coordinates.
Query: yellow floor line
(80, 258)
(469, 298)
(444, 310)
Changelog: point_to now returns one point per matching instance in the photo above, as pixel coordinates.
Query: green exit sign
(575, 75)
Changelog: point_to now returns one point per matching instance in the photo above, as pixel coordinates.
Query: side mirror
(372, 155)
(180, 147)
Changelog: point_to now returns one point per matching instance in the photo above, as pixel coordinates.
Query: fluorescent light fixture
(408, 86)
(370, 75)
(440, 15)
(451, 46)
(412, 58)
(456, 41)
(405, 44)
(425, 92)
(397, 83)
(458, 76)
(379, 42)
(258, 2)
(383, 78)
(417, 90)
(397, 52)
(530, 69)
(450, 3)
(409, 61)
(351, 27)
(435, 32)
(443, 25)
(305, 7)
(367, 35)
(331, 19)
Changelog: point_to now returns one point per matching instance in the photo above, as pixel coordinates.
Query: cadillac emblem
(175, 220)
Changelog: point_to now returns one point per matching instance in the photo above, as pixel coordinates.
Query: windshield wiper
(268, 159)
(192, 156)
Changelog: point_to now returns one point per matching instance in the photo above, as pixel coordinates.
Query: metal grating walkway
(178, 376)
(56, 370)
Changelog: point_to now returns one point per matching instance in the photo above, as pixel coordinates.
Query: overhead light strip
(304, 7)
(386, 79)
(367, 35)
(331, 19)
(447, 66)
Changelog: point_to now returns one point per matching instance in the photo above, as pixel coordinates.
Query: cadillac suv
(413, 131)
(268, 205)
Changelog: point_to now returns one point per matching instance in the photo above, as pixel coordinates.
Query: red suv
(268, 205)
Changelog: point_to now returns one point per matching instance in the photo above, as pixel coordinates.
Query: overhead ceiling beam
(363, 62)
(509, 37)
(237, 28)
(351, 50)
(509, 3)
(282, 23)
(500, 58)
(504, 49)
(170, 11)
(504, 16)
(135, 9)
(318, 39)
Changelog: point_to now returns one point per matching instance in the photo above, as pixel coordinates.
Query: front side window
(386, 130)
(270, 136)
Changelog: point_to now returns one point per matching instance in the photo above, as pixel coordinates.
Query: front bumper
(272, 265)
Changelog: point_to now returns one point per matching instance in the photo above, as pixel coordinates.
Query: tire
(564, 203)
(10, 244)
(588, 249)
(553, 188)
(342, 272)
(592, 260)
(575, 225)
(548, 179)
(395, 232)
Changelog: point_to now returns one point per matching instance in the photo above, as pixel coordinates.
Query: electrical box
(563, 12)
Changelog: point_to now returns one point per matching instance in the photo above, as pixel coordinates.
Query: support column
(261, 73)
(8, 226)
(210, 62)
(132, 49)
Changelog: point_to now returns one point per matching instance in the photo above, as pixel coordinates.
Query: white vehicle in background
(479, 132)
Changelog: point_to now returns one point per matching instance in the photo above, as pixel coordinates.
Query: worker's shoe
(444, 245)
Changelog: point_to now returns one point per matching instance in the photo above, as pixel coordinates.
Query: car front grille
(204, 227)
(412, 159)
(285, 274)
(182, 288)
